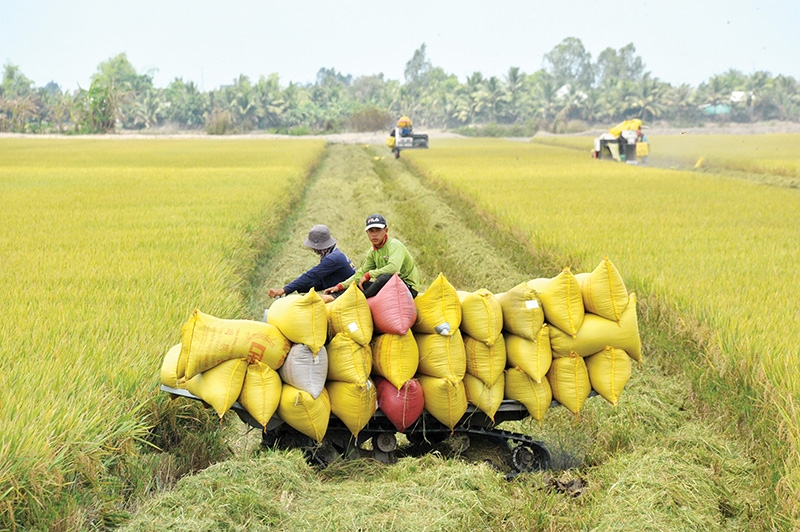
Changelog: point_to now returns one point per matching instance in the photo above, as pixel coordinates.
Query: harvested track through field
(444, 236)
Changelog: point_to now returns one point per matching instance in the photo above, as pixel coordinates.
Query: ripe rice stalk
(723, 251)
(108, 247)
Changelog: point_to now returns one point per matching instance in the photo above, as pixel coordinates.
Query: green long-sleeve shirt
(392, 257)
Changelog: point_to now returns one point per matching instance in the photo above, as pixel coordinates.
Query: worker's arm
(368, 263)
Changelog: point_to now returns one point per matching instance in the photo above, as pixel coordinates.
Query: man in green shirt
(387, 257)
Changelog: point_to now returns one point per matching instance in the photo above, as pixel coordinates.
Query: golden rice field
(724, 251)
(107, 246)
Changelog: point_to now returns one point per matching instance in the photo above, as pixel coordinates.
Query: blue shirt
(331, 270)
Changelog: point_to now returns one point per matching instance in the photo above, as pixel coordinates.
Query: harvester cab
(624, 142)
(403, 137)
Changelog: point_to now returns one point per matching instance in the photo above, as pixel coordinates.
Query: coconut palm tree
(514, 88)
(648, 98)
(544, 96)
(784, 95)
(149, 108)
(679, 100)
(757, 85)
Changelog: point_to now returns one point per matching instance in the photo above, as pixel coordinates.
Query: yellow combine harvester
(624, 142)
(403, 137)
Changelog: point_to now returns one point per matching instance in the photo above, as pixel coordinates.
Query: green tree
(22, 109)
(757, 85)
(119, 72)
(96, 108)
(15, 83)
(149, 108)
(622, 64)
(648, 98)
(417, 66)
(270, 104)
(680, 101)
(18, 101)
(62, 110)
(185, 104)
(470, 99)
(369, 90)
(515, 90)
(784, 98)
(544, 96)
(570, 64)
(493, 95)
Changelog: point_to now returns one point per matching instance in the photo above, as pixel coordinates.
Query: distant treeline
(571, 92)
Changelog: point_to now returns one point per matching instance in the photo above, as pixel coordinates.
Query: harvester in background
(624, 142)
(403, 137)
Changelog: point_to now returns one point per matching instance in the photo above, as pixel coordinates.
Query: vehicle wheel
(397, 154)
(526, 457)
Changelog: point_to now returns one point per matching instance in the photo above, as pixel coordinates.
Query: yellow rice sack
(169, 368)
(445, 400)
(609, 372)
(438, 308)
(305, 370)
(442, 356)
(486, 398)
(221, 385)
(354, 404)
(302, 318)
(485, 362)
(261, 392)
(531, 356)
(569, 380)
(597, 333)
(348, 361)
(395, 357)
(603, 291)
(562, 301)
(304, 413)
(207, 341)
(522, 311)
(536, 396)
(349, 314)
(481, 315)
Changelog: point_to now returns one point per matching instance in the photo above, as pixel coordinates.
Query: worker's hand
(333, 289)
(363, 280)
(276, 292)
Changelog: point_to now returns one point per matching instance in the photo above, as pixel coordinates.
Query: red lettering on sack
(256, 353)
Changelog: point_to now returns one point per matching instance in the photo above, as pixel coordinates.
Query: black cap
(376, 220)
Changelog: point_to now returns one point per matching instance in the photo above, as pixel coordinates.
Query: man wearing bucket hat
(387, 257)
(332, 268)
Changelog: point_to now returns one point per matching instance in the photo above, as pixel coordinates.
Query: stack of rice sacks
(352, 393)
(602, 343)
(588, 333)
(442, 360)
(305, 402)
(395, 354)
(223, 360)
(485, 349)
(528, 354)
(545, 339)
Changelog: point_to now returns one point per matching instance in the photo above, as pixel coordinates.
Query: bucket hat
(319, 238)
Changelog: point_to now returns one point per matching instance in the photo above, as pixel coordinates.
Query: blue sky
(212, 42)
